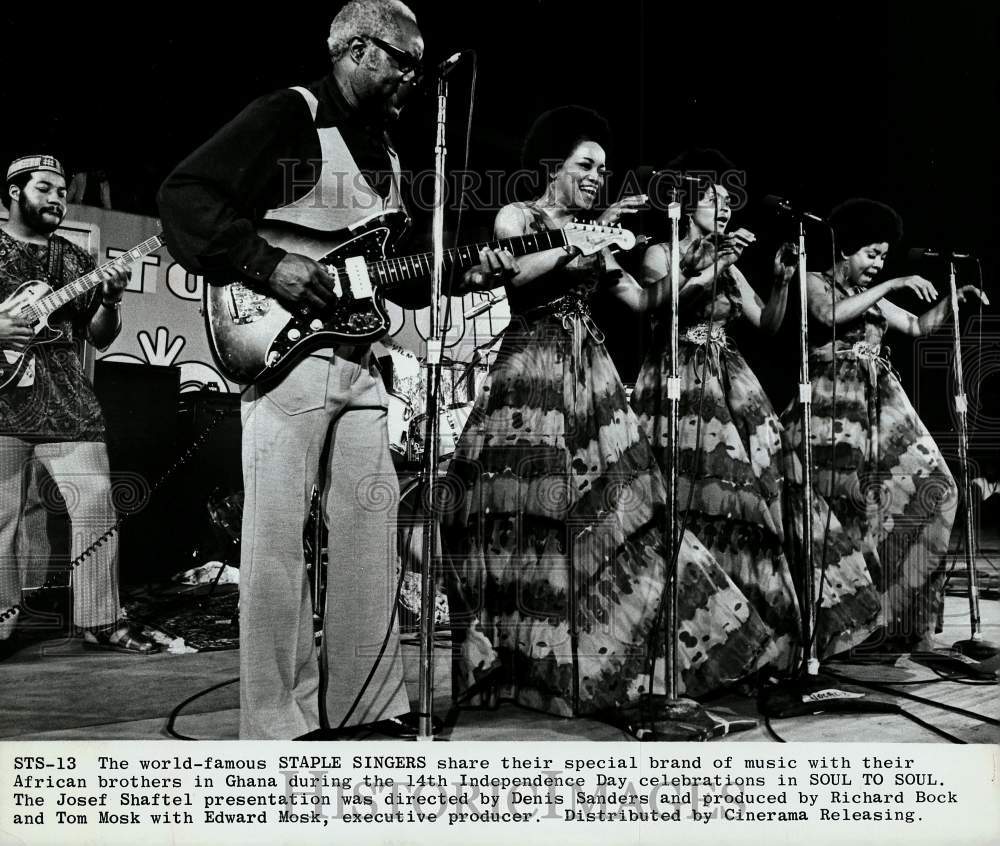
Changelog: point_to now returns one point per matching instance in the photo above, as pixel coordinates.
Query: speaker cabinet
(140, 408)
(213, 476)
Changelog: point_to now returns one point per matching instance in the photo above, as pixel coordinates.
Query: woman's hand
(698, 256)
(702, 253)
(731, 248)
(626, 205)
(923, 288)
(494, 269)
(784, 273)
(965, 290)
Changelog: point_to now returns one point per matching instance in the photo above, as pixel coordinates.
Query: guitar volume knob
(316, 324)
(293, 334)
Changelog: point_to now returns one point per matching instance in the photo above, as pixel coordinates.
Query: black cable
(942, 677)
(902, 712)
(771, 731)
(972, 715)
(931, 727)
(382, 648)
(172, 719)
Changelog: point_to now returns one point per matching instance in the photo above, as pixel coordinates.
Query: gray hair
(365, 17)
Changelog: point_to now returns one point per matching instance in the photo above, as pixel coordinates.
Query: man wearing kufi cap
(50, 416)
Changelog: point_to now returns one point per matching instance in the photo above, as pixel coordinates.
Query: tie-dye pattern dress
(554, 530)
(891, 488)
(732, 481)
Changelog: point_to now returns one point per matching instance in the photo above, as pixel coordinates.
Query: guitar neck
(406, 268)
(67, 293)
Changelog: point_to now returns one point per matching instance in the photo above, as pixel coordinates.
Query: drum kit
(460, 383)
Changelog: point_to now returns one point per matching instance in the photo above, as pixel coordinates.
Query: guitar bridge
(246, 306)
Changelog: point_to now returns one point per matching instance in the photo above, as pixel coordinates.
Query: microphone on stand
(917, 253)
(448, 65)
(427, 82)
(425, 85)
(782, 206)
(646, 173)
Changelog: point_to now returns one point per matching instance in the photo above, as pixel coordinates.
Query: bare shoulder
(657, 250)
(512, 220)
(818, 282)
(656, 255)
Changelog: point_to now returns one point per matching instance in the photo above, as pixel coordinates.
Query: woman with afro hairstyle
(555, 534)
(874, 460)
(731, 474)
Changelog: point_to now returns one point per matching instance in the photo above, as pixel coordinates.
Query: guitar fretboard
(406, 268)
(44, 306)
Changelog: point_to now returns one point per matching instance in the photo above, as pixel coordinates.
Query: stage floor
(55, 690)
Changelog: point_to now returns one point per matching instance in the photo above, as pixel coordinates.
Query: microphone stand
(810, 658)
(435, 348)
(975, 646)
(678, 718)
(673, 425)
(810, 692)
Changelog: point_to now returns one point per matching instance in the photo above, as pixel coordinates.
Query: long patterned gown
(732, 482)
(555, 529)
(891, 489)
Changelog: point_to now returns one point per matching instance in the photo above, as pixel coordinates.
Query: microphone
(917, 253)
(447, 66)
(783, 206)
(647, 173)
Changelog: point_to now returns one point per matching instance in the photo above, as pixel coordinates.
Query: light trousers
(80, 472)
(285, 429)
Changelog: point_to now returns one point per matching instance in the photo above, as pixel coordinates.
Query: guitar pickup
(360, 283)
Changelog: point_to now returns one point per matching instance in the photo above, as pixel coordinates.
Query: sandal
(119, 639)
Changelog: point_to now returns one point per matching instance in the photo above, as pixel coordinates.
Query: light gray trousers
(81, 473)
(284, 431)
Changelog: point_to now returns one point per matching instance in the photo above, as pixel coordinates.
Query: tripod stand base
(405, 727)
(985, 652)
(657, 718)
(818, 694)
(977, 649)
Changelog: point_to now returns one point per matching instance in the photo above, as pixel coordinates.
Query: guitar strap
(53, 272)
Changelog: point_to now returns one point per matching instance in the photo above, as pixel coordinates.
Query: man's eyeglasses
(406, 62)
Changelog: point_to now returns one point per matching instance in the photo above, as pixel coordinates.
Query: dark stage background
(817, 102)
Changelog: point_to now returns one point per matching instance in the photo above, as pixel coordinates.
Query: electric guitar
(36, 301)
(254, 336)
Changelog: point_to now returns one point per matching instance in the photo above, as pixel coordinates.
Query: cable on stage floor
(177, 711)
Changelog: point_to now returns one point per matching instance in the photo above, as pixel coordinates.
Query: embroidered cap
(27, 164)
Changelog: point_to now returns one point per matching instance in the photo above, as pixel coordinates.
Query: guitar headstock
(590, 238)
